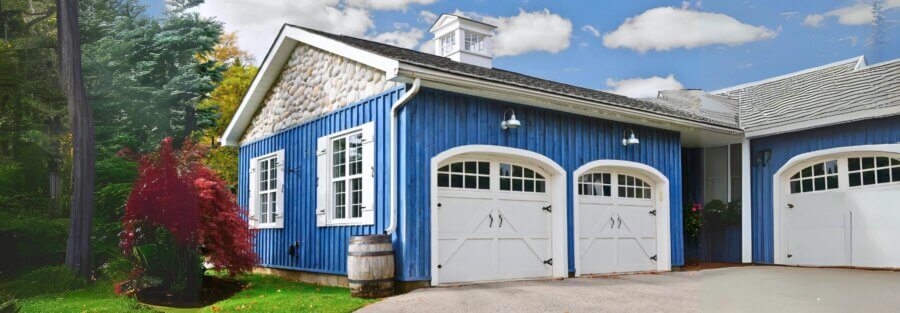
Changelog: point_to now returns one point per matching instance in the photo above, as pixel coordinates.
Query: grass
(54, 289)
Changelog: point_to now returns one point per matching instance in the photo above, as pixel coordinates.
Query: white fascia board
(273, 65)
(825, 121)
(858, 60)
(499, 91)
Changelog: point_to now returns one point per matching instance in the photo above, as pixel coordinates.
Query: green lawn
(263, 294)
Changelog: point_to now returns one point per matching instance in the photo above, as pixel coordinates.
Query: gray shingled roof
(721, 109)
(512, 78)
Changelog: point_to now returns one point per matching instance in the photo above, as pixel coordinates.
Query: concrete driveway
(739, 289)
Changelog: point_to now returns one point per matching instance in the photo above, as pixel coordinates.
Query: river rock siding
(313, 83)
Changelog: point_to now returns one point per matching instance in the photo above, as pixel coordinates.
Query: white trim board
(556, 187)
(663, 230)
(778, 250)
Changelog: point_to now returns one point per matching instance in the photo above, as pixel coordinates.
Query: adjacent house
(483, 174)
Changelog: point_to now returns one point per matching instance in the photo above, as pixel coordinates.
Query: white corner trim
(280, 52)
(557, 188)
(803, 158)
(746, 204)
(663, 229)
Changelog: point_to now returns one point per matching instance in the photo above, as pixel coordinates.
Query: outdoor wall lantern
(763, 157)
(512, 122)
(631, 140)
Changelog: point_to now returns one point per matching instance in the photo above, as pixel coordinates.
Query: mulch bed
(214, 289)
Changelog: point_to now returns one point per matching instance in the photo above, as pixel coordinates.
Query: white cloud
(643, 87)
(527, 32)
(257, 22)
(852, 39)
(428, 16)
(788, 15)
(668, 28)
(857, 14)
(404, 39)
(591, 29)
(387, 4)
(814, 20)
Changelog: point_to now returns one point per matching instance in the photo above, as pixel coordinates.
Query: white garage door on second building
(617, 222)
(494, 220)
(843, 211)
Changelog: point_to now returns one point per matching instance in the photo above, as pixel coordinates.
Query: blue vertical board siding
(434, 121)
(784, 147)
(322, 249)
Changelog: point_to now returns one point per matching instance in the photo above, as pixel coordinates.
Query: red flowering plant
(179, 214)
(693, 219)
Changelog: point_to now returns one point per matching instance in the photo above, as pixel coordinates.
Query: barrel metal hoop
(370, 239)
(371, 281)
(369, 253)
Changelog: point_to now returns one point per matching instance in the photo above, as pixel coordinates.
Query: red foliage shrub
(176, 191)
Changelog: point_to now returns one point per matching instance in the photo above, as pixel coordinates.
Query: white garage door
(843, 211)
(493, 221)
(617, 223)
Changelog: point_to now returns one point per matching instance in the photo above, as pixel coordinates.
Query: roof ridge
(858, 60)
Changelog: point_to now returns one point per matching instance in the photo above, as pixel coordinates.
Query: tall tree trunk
(78, 248)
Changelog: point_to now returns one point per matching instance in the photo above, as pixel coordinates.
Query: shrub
(727, 213)
(33, 241)
(178, 212)
(51, 279)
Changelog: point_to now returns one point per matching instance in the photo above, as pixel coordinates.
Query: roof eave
(558, 101)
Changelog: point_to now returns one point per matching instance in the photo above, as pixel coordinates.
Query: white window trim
(448, 44)
(325, 212)
(254, 192)
(479, 43)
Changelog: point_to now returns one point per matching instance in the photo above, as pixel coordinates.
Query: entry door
(492, 221)
(617, 223)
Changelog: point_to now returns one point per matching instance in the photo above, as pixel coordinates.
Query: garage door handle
(501, 220)
(612, 222)
(620, 222)
(492, 221)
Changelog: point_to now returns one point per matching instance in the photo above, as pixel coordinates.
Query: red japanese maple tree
(176, 193)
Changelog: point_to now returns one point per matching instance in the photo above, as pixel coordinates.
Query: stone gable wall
(313, 83)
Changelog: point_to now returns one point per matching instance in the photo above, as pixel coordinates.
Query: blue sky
(724, 43)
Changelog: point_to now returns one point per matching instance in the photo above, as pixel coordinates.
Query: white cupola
(463, 40)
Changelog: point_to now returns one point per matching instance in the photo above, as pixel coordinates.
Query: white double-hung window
(267, 191)
(345, 179)
(474, 42)
(448, 44)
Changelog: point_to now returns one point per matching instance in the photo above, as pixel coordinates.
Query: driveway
(738, 289)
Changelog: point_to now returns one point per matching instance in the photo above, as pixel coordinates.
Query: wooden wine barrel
(370, 266)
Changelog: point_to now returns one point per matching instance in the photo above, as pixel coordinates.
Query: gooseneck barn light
(511, 123)
(631, 140)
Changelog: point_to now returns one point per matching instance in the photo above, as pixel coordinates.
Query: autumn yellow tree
(224, 101)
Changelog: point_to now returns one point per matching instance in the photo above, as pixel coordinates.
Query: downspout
(395, 111)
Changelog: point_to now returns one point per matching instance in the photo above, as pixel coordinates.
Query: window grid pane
(520, 178)
(595, 184)
(633, 187)
(865, 171)
(465, 175)
(816, 177)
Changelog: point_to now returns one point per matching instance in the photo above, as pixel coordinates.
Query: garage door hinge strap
(653, 212)
(653, 257)
(548, 208)
(549, 261)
